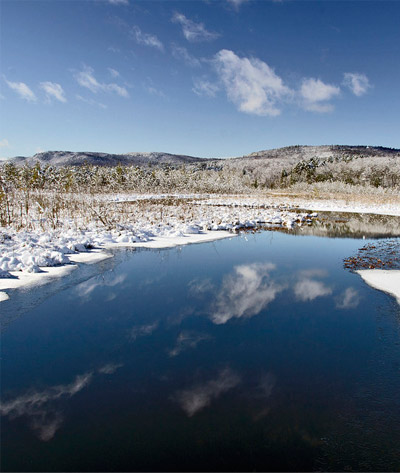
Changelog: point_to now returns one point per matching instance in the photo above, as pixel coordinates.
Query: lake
(259, 352)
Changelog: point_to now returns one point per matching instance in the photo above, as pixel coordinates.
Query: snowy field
(44, 250)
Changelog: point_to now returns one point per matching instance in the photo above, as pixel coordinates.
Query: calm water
(255, 353)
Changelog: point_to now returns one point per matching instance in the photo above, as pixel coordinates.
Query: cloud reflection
(200, 396)
(86, 288)
(110, 368)
(348, 299)
(143, 330)
(40, 407)
(263, 392)
(245, 292)
(308, 288)
(37, 405)
(188, 339)
(199, 287)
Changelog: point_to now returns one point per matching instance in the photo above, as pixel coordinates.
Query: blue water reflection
(255, 353)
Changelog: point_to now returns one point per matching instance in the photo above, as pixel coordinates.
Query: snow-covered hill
(290, 154)
(70, 158)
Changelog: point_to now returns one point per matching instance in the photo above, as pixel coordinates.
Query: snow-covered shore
(36, 256)
(385, 280)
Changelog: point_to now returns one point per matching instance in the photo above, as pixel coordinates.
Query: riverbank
(383, 279)
(35, 257)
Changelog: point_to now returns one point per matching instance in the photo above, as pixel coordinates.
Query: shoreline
(385, 280)
(22, 279)
(34, 258)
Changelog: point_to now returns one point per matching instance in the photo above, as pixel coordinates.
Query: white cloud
(245, 292)
(236, 3)
(357, 83)
(146, 38)
(183, 54)
(316, 94)
(204, 87)
(119, 2)
(91, 101)
(193, 32)
(250, 83)
(22, 90)
(309, 289)
(197, 398)
(121, 91)
(113, 72)
(349, 299)
(4, 143)
(85, 78)
(53, 90)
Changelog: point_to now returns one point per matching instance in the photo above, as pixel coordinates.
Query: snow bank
(383, 279)
(30, 257)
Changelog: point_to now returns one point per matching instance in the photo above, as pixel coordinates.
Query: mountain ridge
(79, 158)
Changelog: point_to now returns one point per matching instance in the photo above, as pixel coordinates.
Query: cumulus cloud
(357, 83)
(245, 293)
(348, 299)
(250, 83)
(183, 54)
(146, 39)
(86, 78)
(308, 289)
(188, 339)
(53, 91)
(22, 90)
(200, 396)
(203, 87)
(193, 32)
(316, 94)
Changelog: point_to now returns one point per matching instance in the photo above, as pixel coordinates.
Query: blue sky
(203, 77)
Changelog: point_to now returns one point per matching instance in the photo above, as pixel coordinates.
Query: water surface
(255, 353)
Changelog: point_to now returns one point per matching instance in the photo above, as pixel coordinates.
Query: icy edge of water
(20, 279)
(386, 280)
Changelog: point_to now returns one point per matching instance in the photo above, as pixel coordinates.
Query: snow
(386, 280)
(36, 256)
(26, 279)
